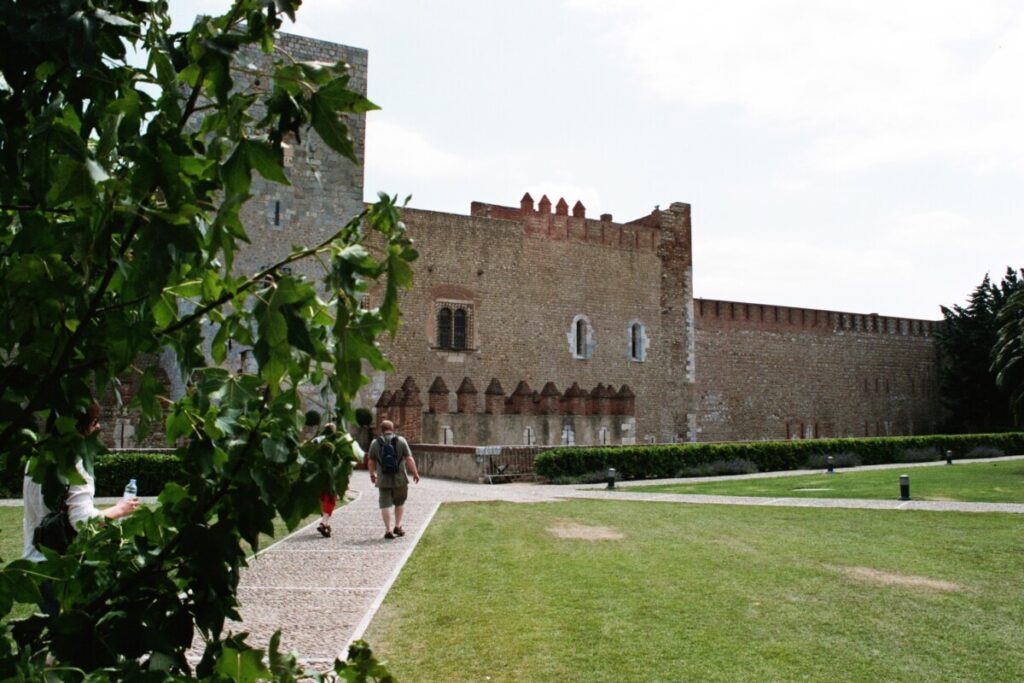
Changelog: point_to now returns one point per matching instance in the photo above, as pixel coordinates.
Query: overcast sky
(864, 157)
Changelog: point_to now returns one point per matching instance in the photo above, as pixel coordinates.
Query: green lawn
(983, 482)
(12, 538)
(11, 534)
(707, 593)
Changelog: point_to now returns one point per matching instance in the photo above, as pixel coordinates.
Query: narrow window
(444, 328)
(277, 213)
(528, 437)
(636, 341)
(602, 436)
(580, 337)
(459, 336)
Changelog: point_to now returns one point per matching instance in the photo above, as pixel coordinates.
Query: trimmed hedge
(643, 462)
(113, 470)
(150, 470)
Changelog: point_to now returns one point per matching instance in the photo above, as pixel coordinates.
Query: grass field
(983, 482)
(633, 591)
(12, 536)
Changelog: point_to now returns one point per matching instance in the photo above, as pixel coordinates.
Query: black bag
(388, 455)
(55, 530)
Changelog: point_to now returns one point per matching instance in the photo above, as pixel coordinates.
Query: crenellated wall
(524, 276)
(547, 297)
(602, 416)
(774, 372)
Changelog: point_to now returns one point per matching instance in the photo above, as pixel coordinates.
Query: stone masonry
(516, 309)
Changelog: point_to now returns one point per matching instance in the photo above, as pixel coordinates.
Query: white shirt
(80, 508)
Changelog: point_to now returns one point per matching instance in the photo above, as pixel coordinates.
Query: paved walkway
(323, 593)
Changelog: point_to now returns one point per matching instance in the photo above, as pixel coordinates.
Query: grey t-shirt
(402, 450)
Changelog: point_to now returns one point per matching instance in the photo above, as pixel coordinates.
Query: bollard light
(949, 457)
(611, 477)
(831, 464)
(904, 487)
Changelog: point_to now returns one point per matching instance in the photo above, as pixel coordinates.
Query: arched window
(581, 337)
(454, 325)
(459, 336)
(444, 328)
(636, 341)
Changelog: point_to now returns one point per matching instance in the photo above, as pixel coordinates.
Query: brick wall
(774, 372)
(526, 274)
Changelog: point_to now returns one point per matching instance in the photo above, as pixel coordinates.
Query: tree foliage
(968, 386)
(1008, 354)
(121, 182)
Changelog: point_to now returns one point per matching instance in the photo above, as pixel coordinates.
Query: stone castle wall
(527, 279)
(774, 372)
(326, 189)
(525, 276)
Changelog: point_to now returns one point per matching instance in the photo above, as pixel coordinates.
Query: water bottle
(131, 490)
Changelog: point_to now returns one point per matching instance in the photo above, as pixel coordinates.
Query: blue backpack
(389, 455)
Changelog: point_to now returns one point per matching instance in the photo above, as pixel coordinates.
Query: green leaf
(235, 172)
(267, 161)
(163, 311)
(328, 124)
(242, 666)
(112, 19)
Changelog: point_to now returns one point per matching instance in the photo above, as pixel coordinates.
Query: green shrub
(985, 452)
(663, 461)
(113, 470)
(920, 455)
(595, 477)
(718, 468)
(819, 461)
(150, 470)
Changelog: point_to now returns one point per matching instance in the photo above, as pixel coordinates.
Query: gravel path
(323, 593)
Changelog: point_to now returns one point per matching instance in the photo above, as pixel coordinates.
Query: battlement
(557, 223)
(715, 314)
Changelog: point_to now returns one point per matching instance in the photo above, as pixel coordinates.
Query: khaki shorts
(393, 496)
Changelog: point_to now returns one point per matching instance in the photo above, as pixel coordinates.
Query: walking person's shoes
(388, 535)
(327, 533)
(324, 530)
(399, 531)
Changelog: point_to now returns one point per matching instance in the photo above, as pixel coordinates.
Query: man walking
(390, 463)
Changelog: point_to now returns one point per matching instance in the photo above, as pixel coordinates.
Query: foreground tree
(120, 190)
(966, 341)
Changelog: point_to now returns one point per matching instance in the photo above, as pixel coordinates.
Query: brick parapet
(640, 235)
(716, 314)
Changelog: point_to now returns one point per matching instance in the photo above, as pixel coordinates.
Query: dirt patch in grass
(876, 576)
(584, 532)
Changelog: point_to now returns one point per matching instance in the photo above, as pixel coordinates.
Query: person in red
(329, 501)
(327, 504)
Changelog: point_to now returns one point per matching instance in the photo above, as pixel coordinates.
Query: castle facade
(537, 324)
